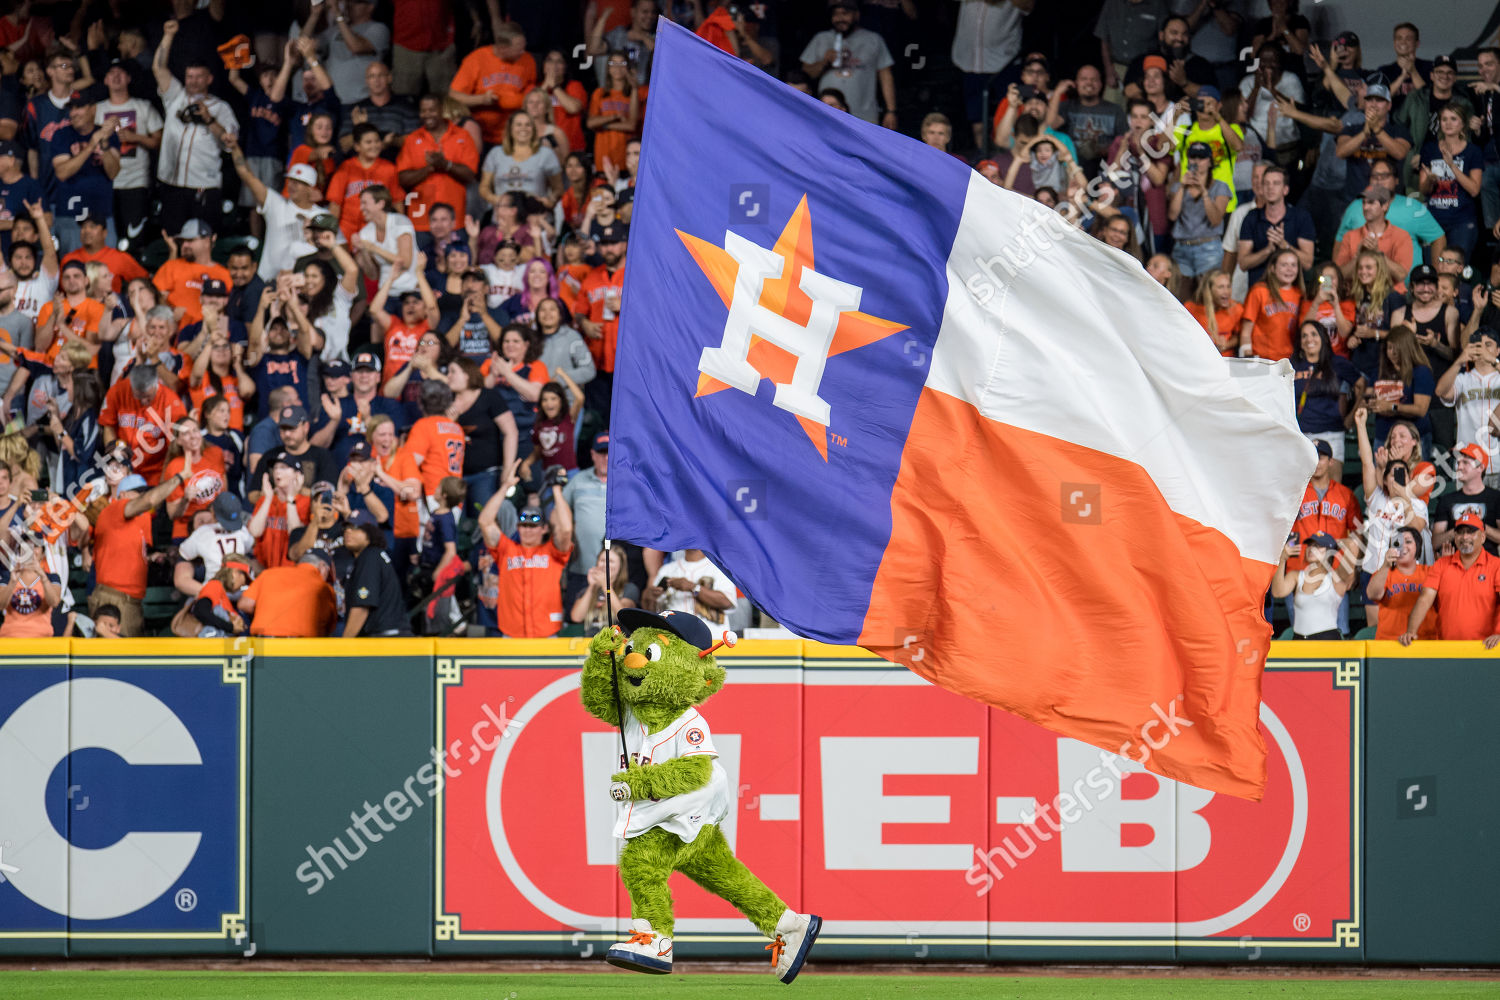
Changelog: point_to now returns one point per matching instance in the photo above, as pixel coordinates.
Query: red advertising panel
(916, 822)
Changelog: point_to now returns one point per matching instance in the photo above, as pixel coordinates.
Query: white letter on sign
(855, 805)
(1095, 842)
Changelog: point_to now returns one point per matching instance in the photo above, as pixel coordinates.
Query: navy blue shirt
(43, 121)
(13, 197)
(1317, 399)
(263, 130)
(1357, 167)
(441, 529)
(300, 111)
(273, 371)
(1295, 225)
(90, 189)
(1422, 383)
(351, 429)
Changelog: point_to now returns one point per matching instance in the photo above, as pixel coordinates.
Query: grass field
(151, 985)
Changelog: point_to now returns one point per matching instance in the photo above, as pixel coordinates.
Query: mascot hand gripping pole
(672, 792)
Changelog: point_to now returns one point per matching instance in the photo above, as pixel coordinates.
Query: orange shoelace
(776, 948)
(640, 937)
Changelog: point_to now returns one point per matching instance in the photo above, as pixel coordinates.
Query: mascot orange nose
(635, 661)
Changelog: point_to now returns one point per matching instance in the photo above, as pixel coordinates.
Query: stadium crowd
(309, 310)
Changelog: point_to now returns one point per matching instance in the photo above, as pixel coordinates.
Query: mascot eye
(654, 653)
(629, 647)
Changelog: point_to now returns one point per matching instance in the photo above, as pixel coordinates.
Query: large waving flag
(908, 410)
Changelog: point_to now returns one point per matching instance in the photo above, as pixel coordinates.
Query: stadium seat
(1368, 632)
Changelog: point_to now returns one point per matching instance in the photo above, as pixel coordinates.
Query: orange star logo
(783, 297)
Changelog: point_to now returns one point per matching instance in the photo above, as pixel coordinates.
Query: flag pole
(614, 676)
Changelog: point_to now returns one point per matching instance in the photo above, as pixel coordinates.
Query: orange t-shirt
(1228, 321)
(405, 521)
(350, 179)
(207, 481)
(530, 599)
(214, 593)
(571, 124)
(570, 279)
(1274, 324)
(123, 266)
(120, 548)
(272, 548)
(610, 142)
(483, 72)
(1401, 593)
(85, 324)
(293, 601)
(400, 345)
(457, 146)
(142, 428)
(536, 371)
(1466, 598)
(204, 389)
(183, 283)
(596, 289)
(1317, 312)
(439, 443)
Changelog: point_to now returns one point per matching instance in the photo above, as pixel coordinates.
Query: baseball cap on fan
(229, 512)
(304, 172)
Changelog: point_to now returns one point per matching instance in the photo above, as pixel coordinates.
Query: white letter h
(729, 362)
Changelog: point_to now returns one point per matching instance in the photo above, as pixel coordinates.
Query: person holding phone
(1316, 591)
(28, 591)
(1397, 585)
(1391, 502)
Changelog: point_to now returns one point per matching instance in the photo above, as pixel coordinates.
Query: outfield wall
(449, 798)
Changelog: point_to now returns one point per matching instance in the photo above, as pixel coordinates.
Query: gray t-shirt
(1192, 221)
(1130, 28)
(19, 331)
(347, 70)
(1092, 127)
(529, 176)
(862, 55)
(585, 495)
(564, 350)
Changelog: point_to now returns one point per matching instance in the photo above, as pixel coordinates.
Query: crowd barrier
(416, 797)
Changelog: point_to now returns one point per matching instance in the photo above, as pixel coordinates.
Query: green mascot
(672, 792)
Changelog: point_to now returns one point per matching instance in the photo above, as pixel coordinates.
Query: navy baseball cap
(1424, 273)
(601, 441)
(336, 369)
(229, 512)
(615, 232)
(689, 628)
(291, 416)
(213, 286)
(367, 359)
(361, 519)
(1322, 540)
(12, 148)
(1200, 151)
(1208, 90)
(1323, 448)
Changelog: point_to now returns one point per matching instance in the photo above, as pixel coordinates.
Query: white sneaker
(795, 934)
(646, 951)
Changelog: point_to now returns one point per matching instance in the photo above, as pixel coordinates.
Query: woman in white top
(521, 163)
(1316, 591)
(1260, 89)
(329, 299)
(1394, 501)
(387, 238)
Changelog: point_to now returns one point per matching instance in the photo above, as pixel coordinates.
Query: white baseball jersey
(685, 736)
(212, 543)
(1475, 396)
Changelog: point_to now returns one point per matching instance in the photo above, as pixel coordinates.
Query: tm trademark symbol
(839, 440)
